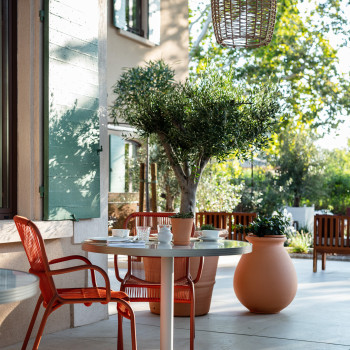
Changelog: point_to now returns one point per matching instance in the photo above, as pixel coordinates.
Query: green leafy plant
(208, 227)
(275, 225)
(301, 242)
(188, 215)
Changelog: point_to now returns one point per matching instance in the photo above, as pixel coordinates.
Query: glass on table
(143, 233)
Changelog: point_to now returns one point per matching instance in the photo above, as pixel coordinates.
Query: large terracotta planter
(203, 289)
(265, 280)
(181, 229)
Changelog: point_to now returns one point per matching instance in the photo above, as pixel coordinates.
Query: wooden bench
(225, 221)
(331, 235)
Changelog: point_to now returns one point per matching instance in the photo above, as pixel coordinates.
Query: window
(8, 103)
(140, 17)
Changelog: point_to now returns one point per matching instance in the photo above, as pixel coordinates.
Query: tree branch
(179, 173)
(198, 19)
(201, 35)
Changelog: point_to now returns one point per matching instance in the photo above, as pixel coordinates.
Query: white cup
(212, 234)
(119, 232)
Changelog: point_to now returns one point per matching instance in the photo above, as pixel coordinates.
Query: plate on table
(208, 239)
(120, 239)
(98, 239)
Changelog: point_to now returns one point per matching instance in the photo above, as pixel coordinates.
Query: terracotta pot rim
(267, 236)
(181, 218)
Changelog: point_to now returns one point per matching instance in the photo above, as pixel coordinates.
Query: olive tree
(194, 120)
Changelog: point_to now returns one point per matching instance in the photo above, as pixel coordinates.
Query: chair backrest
(35, 249)
(135, 266)
(226, 221)
(332, 230)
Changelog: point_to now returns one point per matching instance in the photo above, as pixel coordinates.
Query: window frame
(149, 18)
(9, 108)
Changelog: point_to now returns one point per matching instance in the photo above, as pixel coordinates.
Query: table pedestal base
(167, 304)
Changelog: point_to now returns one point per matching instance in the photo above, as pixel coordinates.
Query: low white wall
(304, 216)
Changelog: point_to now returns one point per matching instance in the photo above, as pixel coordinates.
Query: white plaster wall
(304, 216)
(174, 39)
(15, 317)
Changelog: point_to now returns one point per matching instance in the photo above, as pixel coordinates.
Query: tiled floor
(317, 319)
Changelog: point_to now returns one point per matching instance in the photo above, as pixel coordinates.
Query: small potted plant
(265, 280)
(210, 232)
(182, 224)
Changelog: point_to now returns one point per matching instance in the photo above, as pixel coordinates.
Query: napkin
(126, 244)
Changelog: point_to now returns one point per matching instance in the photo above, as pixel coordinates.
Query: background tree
(336, 181)
(297, 163)
(300, 57)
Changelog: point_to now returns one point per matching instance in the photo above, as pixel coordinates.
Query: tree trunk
(188, 198)
(296, 201)
(169, 204)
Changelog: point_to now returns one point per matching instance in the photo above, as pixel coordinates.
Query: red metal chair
(52, 298)
(144, 286)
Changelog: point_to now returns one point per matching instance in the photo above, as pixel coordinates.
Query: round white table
(167, 253)
(17, 285)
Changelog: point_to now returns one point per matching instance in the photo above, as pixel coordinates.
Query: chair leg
(42, 324)
(324, 256)
(120, 332)
(132, 327)
(315, 260)
(32, 322)
(133, 331)
(192, 321)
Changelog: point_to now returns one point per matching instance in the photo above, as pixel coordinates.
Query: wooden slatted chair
(144, 285)
(52, 298)
(331, 235)
(226, 221)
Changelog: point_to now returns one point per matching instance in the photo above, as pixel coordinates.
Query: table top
(195, 248)
(17, 285)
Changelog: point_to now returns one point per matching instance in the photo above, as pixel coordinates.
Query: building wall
(15, 317)
(123, 52)
(115, 52)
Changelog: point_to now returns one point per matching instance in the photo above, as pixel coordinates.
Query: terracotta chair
(52, 298)
(144, 285)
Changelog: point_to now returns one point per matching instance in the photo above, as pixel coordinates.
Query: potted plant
(265, 280)
(181, 225)
(195, 120)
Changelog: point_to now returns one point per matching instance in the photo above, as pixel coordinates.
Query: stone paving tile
(317, 319)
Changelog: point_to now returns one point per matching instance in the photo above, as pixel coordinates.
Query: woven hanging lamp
(243, 23)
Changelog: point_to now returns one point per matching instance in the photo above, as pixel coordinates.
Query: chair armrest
(200, 269)
(70, 257)
(86, 267)
(116, 269)
(76, 257)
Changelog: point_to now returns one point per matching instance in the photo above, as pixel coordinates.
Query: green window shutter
(71, 103)
(154, 21)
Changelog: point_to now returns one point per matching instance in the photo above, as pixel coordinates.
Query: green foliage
(276, 225)
(181, 114)
(188, 215)
(300, 57)
(300, 242)
(208, 227)
(218, 190)
(298, 164)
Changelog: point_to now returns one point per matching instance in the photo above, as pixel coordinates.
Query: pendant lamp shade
(243, 23)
